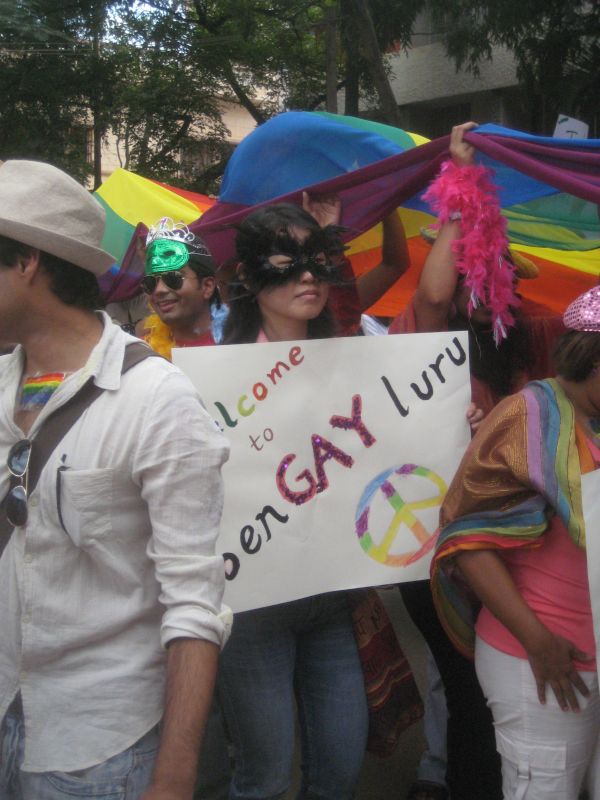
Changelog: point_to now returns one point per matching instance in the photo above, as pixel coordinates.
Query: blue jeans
(214, 767)
(299, 653)
(432, 766)
(122, 777)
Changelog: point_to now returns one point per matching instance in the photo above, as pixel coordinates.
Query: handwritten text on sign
(341, 451)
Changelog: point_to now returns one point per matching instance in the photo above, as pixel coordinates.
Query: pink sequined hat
(584, 313)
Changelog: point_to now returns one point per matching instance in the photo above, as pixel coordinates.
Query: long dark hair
(256, 236)
(499, 367)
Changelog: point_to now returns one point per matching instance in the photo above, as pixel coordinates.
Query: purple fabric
(368, 194)
(527, 168)
(575, 172)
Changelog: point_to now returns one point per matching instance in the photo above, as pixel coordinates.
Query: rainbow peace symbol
(403, 514)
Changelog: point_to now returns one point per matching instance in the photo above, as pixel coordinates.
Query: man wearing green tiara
(181, 287)
(111, 617)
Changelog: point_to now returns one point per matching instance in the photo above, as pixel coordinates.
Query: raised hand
(463, 154)
(325, 208)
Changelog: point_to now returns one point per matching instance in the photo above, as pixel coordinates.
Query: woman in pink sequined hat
(513, 535)
(584, 313)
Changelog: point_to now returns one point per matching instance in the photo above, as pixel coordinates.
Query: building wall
(239, 122)
(110, 158)
(426, 73)
(433, 95)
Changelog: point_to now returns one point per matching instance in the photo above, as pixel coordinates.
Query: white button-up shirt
(116, 559)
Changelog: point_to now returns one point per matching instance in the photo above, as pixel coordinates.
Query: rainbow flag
(549, 191)
(37, 390)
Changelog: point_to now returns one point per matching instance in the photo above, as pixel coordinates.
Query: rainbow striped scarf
(522, 467)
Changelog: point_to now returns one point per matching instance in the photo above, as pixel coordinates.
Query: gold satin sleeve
(493, 473)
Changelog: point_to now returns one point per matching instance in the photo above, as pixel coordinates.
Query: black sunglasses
(18, 465)
(172, 280)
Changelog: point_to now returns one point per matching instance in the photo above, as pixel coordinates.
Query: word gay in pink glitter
(323, 451)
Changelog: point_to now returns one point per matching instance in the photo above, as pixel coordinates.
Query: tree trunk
(97, 156)
(97, 129)
(352, 61)
(372, 55)
(331, 16)
(241, 95)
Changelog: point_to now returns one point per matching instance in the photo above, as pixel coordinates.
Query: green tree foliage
(556, 45)
(49, 76)
(265, 54)
(393, 23)
(158, 73)
(192, 58)
(163, 98)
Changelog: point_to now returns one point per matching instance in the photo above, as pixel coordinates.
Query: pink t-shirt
(262, 336)
(553, 580)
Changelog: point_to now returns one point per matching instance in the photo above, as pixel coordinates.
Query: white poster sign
(570, 128)
(341, 452)
(590, 493)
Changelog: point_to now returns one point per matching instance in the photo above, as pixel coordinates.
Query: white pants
(546, 753)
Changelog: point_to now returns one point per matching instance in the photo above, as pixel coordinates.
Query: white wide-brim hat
(45, 208)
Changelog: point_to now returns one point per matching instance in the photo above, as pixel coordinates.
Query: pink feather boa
(481, 250)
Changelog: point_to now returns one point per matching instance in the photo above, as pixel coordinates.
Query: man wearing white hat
(110, 589)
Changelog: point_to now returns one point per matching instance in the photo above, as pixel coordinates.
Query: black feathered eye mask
(314, 255)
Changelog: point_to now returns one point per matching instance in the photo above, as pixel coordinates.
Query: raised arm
(327, 210)
(438, 281)
(439, 278)
(394, 262)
